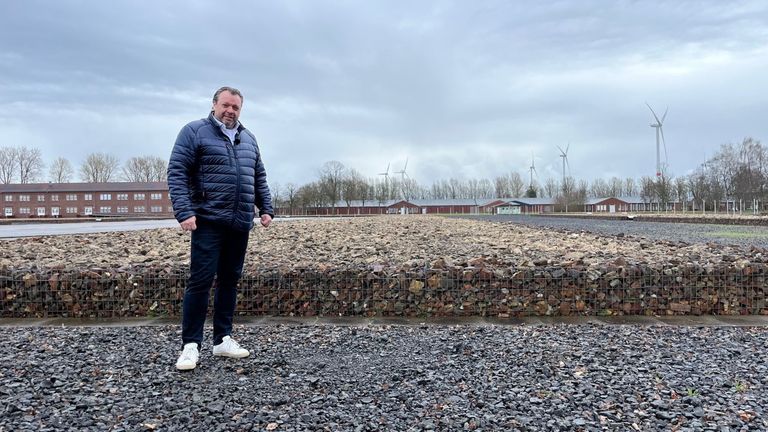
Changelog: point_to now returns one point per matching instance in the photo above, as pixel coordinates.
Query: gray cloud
(466, 89)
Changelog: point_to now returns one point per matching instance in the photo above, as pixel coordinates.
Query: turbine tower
(564, 155)
(660, 168)
(403, 175)
(532, 169)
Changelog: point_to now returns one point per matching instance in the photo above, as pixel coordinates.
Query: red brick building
(70, 200)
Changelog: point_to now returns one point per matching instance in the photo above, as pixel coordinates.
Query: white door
(55, 211)
(8, 211)
(40, 211)
(88, 211)
(612, 208)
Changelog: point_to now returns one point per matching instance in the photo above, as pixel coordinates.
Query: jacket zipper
(237, 183)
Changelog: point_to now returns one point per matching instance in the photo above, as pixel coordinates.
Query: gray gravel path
(680, 232)
(402, 378)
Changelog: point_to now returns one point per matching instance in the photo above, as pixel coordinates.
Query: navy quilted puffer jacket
(213, 179)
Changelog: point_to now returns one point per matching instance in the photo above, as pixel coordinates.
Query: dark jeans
(220, 251)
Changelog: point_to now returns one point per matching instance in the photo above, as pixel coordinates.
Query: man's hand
(265, 220)
(189, 224)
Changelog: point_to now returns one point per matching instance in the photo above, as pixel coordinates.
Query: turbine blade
(665, 115)
(653, 112)
(567, 147)
(406, 164)
(664, 142)
(387, 168)
(559, 148)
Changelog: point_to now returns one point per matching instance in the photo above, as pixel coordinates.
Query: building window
(88, 211)
(105, 209)
(24, 198)
(71, 210)
(122, 209)
(54, 197)
(41, 198)
(41, 211)
(71, 197)
(156, 196)
(88, 197)
(122, 197)
(105, 196)
(24, 210)
(156, 209)
(9, 198)
(139, 209)
(8, 211)
(138, 196)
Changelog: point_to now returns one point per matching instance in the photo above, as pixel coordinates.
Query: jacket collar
(215, 123)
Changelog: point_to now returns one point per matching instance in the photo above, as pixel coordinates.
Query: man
(215, 177)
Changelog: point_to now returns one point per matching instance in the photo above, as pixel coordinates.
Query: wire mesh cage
(152, 291)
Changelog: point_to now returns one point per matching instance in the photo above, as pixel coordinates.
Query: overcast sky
(461, 89)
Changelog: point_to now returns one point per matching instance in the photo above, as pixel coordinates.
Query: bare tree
(516, 184)
(30, 164)
(550, 187)
(630, 188)
(331, 174)
(8, 161)
(501, 186)
(353, 187)
(61, 171)
(615, 187)
(145, 169)
(681, 191)
(599, 188)
(275, 191)
(99, 168)
(647, 189)
(290, 196)
(411, 188)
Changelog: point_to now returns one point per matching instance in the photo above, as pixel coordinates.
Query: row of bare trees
(25, 165)
(738, 172)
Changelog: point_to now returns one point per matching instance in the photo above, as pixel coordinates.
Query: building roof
(85, 187)
(420, 202)
(534, 201)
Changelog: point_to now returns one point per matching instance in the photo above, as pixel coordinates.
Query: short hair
(232, 90)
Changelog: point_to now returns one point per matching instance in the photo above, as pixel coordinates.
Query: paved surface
(15, 230)
(676, 231)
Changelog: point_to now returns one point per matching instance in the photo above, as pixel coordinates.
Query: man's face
(227, 109)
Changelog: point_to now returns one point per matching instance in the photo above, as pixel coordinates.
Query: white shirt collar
(231, 133)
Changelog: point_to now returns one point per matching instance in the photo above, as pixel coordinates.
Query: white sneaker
(188, 358)
(230, 348)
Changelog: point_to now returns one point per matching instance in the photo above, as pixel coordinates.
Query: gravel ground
(380, 377)
(737, 235)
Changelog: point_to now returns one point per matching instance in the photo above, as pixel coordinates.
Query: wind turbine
(532, 169)
(403, 175)
(659, 133)
(564, 155)
(385, 174)
(402, 172)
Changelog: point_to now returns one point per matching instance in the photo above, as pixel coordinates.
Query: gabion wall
(414, 292)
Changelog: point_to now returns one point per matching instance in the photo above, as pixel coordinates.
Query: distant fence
(731, 289)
